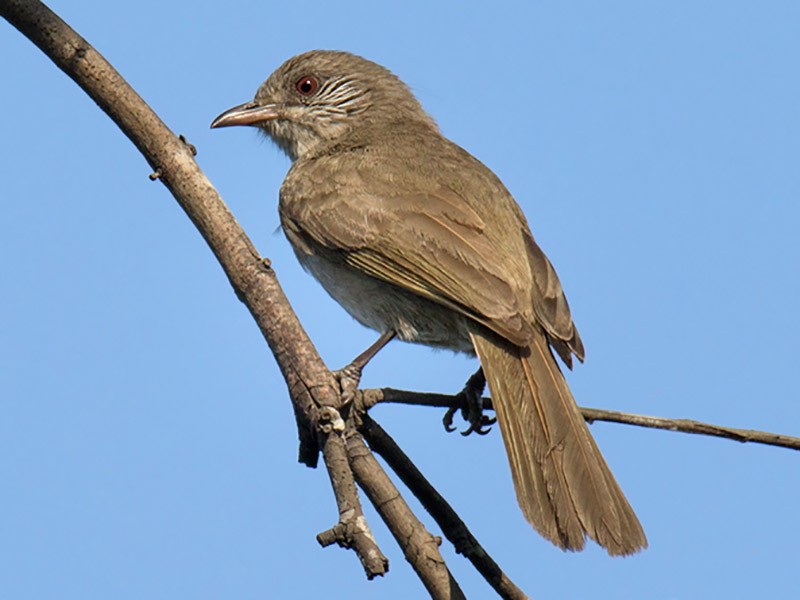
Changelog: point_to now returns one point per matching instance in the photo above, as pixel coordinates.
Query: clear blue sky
(147, 445)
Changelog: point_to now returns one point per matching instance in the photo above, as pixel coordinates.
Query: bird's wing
(431, 244)
(551, 306)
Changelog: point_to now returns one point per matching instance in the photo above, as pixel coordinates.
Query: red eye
(306, 85)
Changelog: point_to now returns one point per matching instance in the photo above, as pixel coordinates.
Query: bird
(417, 239)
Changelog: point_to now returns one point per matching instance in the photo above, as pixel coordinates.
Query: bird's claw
(470, 403)
(472, 411)
(481, 426)
(447, 419)
(349, 377)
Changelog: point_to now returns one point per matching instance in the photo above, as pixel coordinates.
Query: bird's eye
(306, 85)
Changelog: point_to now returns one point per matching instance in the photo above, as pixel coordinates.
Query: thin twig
(393, 396)
(691, 426)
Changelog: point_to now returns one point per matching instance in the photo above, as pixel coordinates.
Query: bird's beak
(249, 113)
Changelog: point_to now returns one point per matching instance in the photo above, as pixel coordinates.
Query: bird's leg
(350, 376)
(471, 406)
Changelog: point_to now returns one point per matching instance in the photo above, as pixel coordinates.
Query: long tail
(563, 484)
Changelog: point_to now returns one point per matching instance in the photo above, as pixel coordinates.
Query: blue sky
(148, 445)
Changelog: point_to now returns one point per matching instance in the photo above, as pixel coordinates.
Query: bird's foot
(470, 403)
(349, 377)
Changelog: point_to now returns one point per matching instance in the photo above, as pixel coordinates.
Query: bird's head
(320, 98)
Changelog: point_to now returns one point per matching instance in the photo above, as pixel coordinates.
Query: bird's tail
(563, 484)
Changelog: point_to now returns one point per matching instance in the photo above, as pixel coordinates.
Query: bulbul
(413, 235)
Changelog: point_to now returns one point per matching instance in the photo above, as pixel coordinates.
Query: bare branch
(454, 529)
(311, 385)
(421, 549)
(690, 426)
(352, 530)
(393, 396)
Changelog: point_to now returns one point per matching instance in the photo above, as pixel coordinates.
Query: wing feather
(438, 252)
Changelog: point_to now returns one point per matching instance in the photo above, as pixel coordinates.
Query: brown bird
(413, 236)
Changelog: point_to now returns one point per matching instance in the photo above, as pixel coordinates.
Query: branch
(420, 548)
(393, 396)
(311, 385)
(352, 530)
(454, 529)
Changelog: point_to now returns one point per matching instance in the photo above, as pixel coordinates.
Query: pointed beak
(249, 113)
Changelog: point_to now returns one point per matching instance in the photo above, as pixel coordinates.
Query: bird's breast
(383, 306)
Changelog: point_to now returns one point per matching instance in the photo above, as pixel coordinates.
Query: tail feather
(563, 484)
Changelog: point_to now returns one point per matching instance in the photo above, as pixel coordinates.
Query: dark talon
(481, 428)
(471, 406)
(447, 419)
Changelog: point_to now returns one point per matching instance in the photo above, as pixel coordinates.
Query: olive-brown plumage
(410, 233)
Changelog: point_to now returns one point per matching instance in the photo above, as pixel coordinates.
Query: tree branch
(393, 396)
(311, 385)
(352, 530)
(454, 529)
(420, 548)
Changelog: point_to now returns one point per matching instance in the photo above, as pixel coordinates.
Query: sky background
(147, 444)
